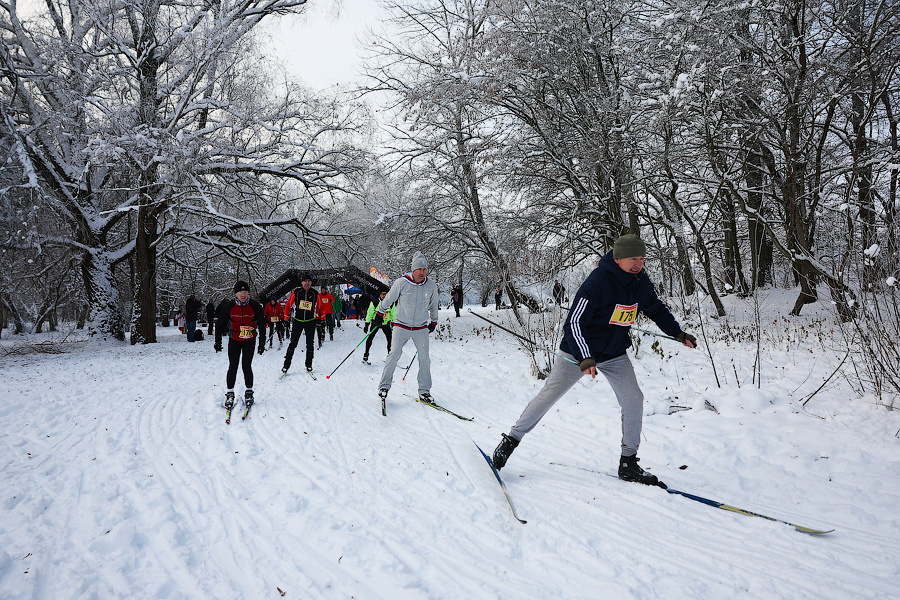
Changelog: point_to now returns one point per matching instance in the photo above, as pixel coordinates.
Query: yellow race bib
(246, 332)
(624, 315)
(305, 305)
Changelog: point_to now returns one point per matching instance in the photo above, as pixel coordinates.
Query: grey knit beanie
(629, 246)
(419, 261)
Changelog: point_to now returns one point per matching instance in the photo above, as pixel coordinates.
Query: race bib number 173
(624, 315)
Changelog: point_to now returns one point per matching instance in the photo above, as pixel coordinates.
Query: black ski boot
(366, 358)
(426, 397)
(229, 400)
(503, 451)
(382, 393)
(630, 470)
(248, 398)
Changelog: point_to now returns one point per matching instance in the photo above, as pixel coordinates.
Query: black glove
(431, 327)
(217, 346)
(587, 364)
(378, 320)
(682, 337)
(261, 350)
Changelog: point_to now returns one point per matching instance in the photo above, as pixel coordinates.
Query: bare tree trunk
(143, 318)
(103, 297)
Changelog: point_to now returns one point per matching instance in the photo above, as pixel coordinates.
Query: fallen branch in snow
(808, 398)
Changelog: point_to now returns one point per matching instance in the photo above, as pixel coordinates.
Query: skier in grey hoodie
(417, 313)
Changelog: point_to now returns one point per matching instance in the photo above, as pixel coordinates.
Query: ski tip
(802, 529)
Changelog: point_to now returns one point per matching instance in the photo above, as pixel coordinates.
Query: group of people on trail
(188, 316)
(595, 339)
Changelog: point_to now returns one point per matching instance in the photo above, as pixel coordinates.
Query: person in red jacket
(242, 317)
(325, 314)
(274, 314)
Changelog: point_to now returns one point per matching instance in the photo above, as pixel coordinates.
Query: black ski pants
(240, 352)
(297, 329)
(276, 327)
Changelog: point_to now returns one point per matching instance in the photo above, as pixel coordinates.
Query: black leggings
(243, 352)
(386, 328)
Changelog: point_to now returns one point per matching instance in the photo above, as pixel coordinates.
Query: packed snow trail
(122, 480)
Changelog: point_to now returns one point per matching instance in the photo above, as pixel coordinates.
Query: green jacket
(388, 316)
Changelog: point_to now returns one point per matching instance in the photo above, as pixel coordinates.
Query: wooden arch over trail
(291, 279)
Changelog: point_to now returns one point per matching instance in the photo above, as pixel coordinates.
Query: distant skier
(595, 336)
(385, 328)
(325, 312)
(242, 318)
(274, 313)
(498, 298)
(303, 301)
(338, 310)
(417, 313)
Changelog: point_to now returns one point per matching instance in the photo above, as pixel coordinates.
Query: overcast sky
(322, 46)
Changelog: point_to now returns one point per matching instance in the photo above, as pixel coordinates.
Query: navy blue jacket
(604, 309)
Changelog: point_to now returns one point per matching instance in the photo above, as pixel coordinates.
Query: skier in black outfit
(303, 300)
(242, 318)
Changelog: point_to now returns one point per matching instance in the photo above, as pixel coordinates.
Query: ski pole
(522, 337)
(668, 337)
(405, 373)
(365, 337)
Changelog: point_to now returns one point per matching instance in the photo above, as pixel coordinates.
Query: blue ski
(502, 485)
(716, 504)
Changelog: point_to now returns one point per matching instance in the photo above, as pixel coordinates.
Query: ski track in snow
(123, 481)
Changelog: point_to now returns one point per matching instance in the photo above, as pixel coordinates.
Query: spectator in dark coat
(210, 317)
(192, 310)
(559, 292)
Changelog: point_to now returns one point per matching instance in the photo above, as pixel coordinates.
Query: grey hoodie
(417, 303)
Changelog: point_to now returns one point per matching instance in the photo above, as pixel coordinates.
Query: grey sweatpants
(620, 375)
(400, 337)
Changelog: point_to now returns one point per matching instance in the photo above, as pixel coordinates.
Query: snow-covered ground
(122, 480)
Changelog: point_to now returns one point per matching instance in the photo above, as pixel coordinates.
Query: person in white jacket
(417, 314)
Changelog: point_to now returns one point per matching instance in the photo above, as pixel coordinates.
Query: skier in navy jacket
(595, 338)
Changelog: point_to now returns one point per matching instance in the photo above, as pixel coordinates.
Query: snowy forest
(153, 150)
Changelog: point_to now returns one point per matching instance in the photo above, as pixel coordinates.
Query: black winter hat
(306, 277)
(241, 286)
